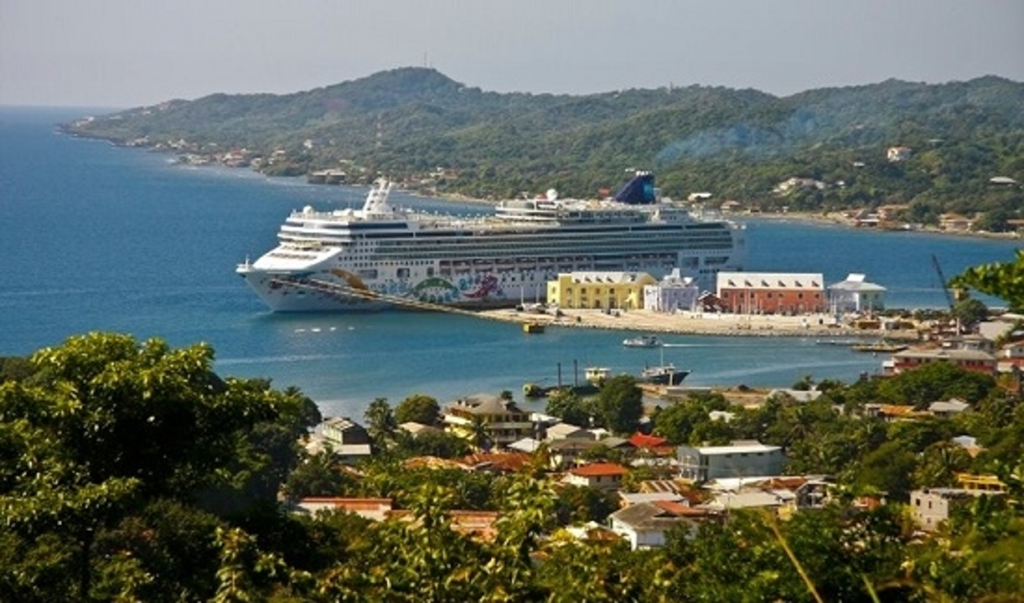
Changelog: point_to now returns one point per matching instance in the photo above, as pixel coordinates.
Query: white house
(348, 441)
(930, 507)
(751, 499)
(567, 431)
(948, 408)
(627, 499)
(646, 524)
(566, 453)
(740, 459)
(414, 429)
(791, 184)
(797, 395)
(527, 445)
(897, 153)
(1014, 350)
(602, 476)
(374, 509)
(342, 430)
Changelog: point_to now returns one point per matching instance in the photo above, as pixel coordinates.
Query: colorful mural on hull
(488, 287)
(440, 290)
(435, 290)
(350, 290)
(352, 280)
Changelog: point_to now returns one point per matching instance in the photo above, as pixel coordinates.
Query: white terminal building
(672, 293)
(855, 294)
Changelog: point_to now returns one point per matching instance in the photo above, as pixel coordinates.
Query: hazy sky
(124, 53)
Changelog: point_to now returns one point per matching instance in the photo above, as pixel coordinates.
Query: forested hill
(736, 144)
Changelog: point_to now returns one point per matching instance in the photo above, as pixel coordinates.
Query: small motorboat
(641, 341)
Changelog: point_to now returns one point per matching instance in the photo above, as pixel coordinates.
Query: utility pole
(942, 282)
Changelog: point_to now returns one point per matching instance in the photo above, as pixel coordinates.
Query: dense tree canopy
(570, 407)
(106, 426)
(183, 504)
(688, 421)
(933, 382)
(418, 408)
(620, 404)
(495, 146)
(969, 312)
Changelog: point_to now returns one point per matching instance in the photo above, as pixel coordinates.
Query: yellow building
(599, 290)
(500, 420)
(980, 483)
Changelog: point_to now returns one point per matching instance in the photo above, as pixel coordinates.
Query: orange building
(771, 292)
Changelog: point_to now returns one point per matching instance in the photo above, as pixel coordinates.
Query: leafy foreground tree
(1004, 280)
(819, 556)
(826, 555)
(104, 429)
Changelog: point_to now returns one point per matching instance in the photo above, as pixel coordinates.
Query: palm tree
(480, 435)
(940, 463)
(802, 424)
(380, 421)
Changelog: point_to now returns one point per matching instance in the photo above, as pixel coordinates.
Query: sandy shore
(841, 220)
(699, 323)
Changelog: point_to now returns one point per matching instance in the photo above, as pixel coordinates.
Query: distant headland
(902, 154)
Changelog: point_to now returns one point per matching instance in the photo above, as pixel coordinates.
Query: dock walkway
(702, 323)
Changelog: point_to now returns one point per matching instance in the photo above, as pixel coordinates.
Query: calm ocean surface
(100, 238)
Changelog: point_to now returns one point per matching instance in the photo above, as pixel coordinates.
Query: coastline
(836, 219)
(827, 219)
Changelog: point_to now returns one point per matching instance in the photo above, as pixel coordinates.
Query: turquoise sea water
(96, 237)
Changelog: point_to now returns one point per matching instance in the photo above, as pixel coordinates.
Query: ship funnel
(638, 191)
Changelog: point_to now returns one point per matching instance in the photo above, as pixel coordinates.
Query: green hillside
(737, 144)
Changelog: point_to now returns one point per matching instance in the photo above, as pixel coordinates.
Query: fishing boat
(665, 374)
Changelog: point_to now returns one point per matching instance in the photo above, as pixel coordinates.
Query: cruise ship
(381, 256)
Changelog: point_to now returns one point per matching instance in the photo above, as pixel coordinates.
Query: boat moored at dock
(381, 256)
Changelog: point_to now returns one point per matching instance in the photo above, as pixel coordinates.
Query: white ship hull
(378, 257)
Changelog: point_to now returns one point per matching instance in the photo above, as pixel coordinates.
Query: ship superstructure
(377, 256)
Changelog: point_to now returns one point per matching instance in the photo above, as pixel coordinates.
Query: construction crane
(943, 282)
